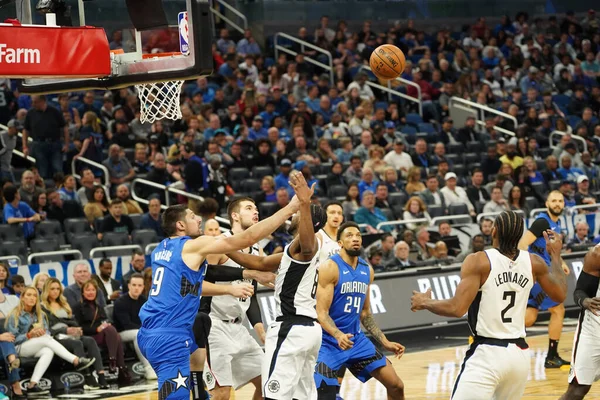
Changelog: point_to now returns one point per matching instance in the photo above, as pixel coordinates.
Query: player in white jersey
(234, 358)
(494, 289)
(585, 361)
(327, 236)
(294, 339)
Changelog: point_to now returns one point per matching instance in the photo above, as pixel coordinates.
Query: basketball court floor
(429, 375)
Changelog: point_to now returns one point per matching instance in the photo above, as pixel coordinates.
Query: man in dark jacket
(138, 263)
(111, 288)
(127, 321)
(60, 209)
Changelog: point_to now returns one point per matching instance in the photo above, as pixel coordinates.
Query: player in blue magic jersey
(178, 268)
(534, 242)
(342, 305)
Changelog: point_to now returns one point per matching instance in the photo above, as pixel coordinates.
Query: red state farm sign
(38, 51)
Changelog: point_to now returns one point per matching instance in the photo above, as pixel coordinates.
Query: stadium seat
(456, 148)
(458, 209)
(137, 220)
(115, 239)
(554, 185)
(472, 158)
(260, 172)
(267, 209)
(539, 188)
(98, 222)
(460, 170)
(238, 174)
(250, 185)
(381, 104)
(144, 237)
(84, 242)
(14, 248)
(426, 127)
(531, 203)
(389, 214)
(337, 191)
(408, 130)
(475, 147)
(398, 198)
(50, 229)
(561, 100)
(43, 246)
(74, 226)
(11, 232)
(325, 168)
(435, 211)
(398, 210)
(573, 120)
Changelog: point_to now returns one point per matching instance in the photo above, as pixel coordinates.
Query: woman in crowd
(267, 193)
(40, 204)
(390, 178)
(94, 322)
(39, 280)
(263, 157)
(413, 181)
(66, 329)
(97, 206)
(325, 152)
(68, 190)
(335, 176)
(415, 208)
(5, 279)
(375, 161)
(516, 200)
(29, 325)
(352, 202)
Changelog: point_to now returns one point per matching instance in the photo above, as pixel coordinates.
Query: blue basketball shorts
(540, 300)
(168, 352)
(362, 359)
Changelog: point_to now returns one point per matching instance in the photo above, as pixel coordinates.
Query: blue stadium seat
(573, 120)
(408, 130)
(426, 127)
(413, 118)
(561, 100)
(381, 104)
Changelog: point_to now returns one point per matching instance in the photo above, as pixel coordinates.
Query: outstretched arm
(367, 320)
(457, 306)
(553, 282)
(588, 282)
(260, 263)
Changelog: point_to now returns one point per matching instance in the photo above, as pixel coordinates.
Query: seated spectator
(304, 167)
(432, 195)
(39, 280)
(137, 263)
(568, 172)
(382, 196)
(92, 318)
(324, 151)
(485, 226)
(345, 152)
(28, 324)
(354, 172)
(68, 190)
(8, 350)
(18, 212)
(60, 209)
(352, 202)
(5, 279)
(160, 173)
(511, 157)
(422, 244)
(454, 194)
(28, 187)
(368, 181)
(443, 168)
(141, 165)
(130, 206)
(267, 193)
(97, 206)
(516, 201)
(420, 157)
(583, 195)
(497, 204)
(440, 253)
(87, 186)
(439, 155)
(7, 303)
(263, 156)
(591, 170)
(18, 284)
(374, 257)
(390, 179)
(415, 208)
(335, 176)
(211, 228)
(362, 150)
(369, 214)
(115, 221)
(301, 152)
(110, 288)
(152, 219)
(282, 180)
(127, 320)
(401, 252)
(387, 250)
(581, 236)
(477, 244)
(476, 192)
(444, 229)
(551, 173)
(119, 168)
(571, 151)
(502, 181)
(65, 329)
(375, 161)
(81, 274)
(413, 181)
(398, 159)
(40, 205)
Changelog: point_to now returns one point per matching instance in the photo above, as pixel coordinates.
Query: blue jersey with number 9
(349, 296)
(174, 298)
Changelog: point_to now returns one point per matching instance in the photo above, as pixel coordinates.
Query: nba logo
(182, 19)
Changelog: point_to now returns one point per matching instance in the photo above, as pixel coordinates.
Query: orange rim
(171, 54)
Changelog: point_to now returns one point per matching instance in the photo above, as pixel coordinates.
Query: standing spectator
(196, 171)
(28, 188)
(591, 170)
(491, 164)
(127, 320)
(152, 219)
(91, 137)
(115, 221)
(81, 274)
(454, 194)
(17, 212)
(110, 288)
(138, 263)
(44, 124)
(8, 142)
(119, 167)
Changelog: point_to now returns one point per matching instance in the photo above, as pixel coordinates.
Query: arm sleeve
(539, 226)
(223, 273)
(587, 286)
(253, 312)
(14, 329)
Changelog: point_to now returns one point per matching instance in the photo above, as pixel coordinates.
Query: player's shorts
(201, 329)
(585, 360)
(493, 369)
(233, 357)
(540, 300)
(291, 348)
(362, 359)
(168, 352)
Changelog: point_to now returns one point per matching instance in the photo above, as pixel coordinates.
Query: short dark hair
(115, 202)
(475, 170)
(171, 216)
(234, 206)
(386, 235)
(431, 176)
(333, 203)
(16, 279)
(137, 252)
(104, 260)
(208, 206)
(136, 275)
(10, 193)
(345, 226)
(355, 158)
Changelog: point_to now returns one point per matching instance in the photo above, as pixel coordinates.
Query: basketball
(387, 62)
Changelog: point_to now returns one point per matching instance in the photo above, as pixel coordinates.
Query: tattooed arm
(368, 322)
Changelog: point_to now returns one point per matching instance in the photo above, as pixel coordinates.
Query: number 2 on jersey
(157, 281)
(348, 307)
(510, 295)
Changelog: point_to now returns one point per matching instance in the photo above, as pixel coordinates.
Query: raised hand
(418, 300)
(554, 242)
(298, 183)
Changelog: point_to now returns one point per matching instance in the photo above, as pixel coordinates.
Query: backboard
(80, 57)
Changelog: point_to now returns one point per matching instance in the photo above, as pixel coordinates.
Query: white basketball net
(159, 100)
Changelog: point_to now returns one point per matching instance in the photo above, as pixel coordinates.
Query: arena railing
(577, 138)
(436, 220)
(74, 252)
(108, 249)
(481, 110)
(149, 248)
(92, 164)
(403, 222)
(11, 257)
(17, 152)
(237, 13)
(392, 92)
(303, 44)
(495, 214)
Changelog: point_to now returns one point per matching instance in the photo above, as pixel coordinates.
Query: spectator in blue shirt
(369, 214)
(368, 181)
(281, 104)
(282, 180)
(258, 131)
(269, 113)
(229, 66)
(248, 45)
(312, 100)
(17, 212)
(325, 109)
(152, 219)
(567, 172)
